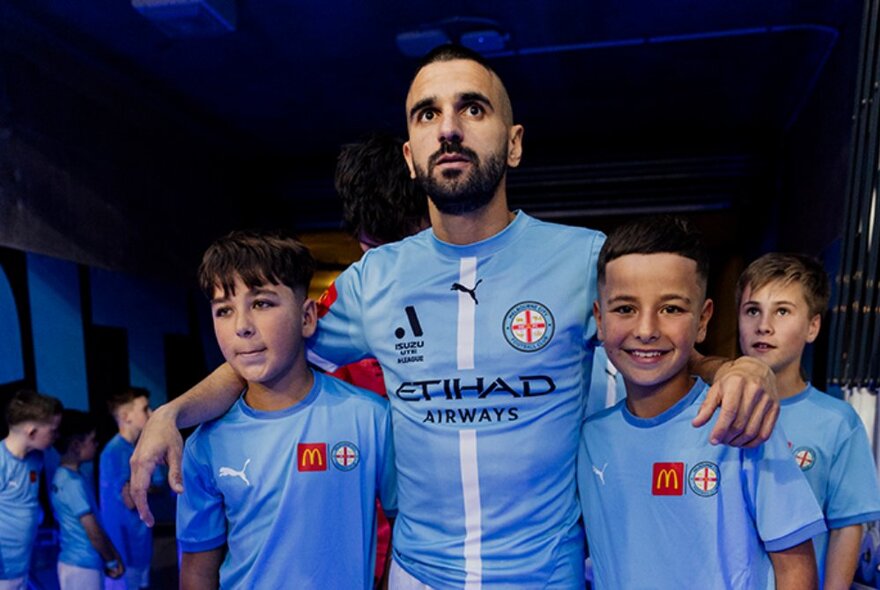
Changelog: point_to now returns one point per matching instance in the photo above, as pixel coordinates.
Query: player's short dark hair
(452, 52)
(788, 268)
(380, 202)
(657, 234)
(75, 425)
(30, 406)
(126, 396)
(258, 257)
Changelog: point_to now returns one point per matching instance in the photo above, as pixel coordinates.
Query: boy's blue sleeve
(339, 339)
(853, 493)
(201, 518)
(387, 471)
(72, 493)
(782, 503)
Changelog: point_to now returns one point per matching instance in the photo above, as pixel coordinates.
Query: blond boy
(781, 298)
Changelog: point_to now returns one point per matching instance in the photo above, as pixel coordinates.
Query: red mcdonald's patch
(311, 457)
(667, 479)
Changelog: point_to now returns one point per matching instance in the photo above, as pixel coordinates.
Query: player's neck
(71, 462)
(129, 434)
(16, 445)
(474, 226)
(789, 382)
(652, 400)
(286, 391)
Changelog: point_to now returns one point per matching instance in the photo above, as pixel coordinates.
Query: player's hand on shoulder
(744, 392)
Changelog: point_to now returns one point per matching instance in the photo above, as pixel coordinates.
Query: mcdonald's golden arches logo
(668, 479)
(311, 457)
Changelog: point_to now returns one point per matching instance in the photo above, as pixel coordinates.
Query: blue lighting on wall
(11, 359)
(147, 310)
(56, 320)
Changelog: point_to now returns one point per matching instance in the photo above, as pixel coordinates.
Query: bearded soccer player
(482, 325)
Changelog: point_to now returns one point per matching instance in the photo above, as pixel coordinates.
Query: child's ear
(309, 317)
(597, 313)
(813, 328)
(705, 316)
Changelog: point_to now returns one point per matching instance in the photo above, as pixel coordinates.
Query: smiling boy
(781, 298)
(662, 507)
(285, 483)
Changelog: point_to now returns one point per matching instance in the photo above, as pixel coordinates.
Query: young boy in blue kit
(33, 421)
(781, 298)
(86, 551)
(280, 492)
(130, 409)
(663, 508)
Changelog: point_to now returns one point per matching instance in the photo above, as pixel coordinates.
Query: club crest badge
(704, 479)
(528, 326)
(345, 456)
(805, 457)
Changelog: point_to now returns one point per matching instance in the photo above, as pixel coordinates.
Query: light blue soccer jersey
(20, 512)
(72, 498)
(486, 351)
(830, 445)
(132, 538)
(292, 492)
(665, 509)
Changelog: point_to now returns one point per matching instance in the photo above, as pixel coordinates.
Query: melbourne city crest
(528, 326)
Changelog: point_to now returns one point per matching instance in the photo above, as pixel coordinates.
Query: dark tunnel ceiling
(690, 84)
(297, 79)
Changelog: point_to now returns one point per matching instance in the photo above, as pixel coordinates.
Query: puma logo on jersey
(601, 472)
(230, 472)
(12, 484)
(463, 289)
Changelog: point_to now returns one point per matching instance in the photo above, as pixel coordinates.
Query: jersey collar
(485, 247)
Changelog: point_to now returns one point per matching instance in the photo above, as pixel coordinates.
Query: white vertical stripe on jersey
(611, 384)
(467, 439)
(470, 483)
(467, 277)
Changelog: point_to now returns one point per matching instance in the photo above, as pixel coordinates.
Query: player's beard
(458, 192)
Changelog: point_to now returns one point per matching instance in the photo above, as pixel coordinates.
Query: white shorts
(14, 584)
(73, 577)
(134, 578)
(399, 579)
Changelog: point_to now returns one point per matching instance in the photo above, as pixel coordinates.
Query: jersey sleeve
(782, 503)
(594, 389)
(340, 339)
(387, 472)
(853, 494)
(201, 520)
(72, 493)
(592, 288)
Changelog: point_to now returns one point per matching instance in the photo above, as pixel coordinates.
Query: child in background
(86, 552)
(781, 298)
(33, 421)
(131, 537)
(664, 508)
(281, 490)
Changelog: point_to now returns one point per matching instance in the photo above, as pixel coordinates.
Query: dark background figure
(380, 204)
